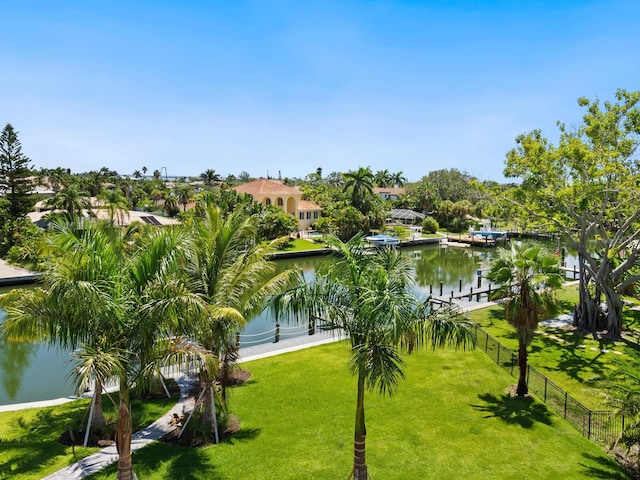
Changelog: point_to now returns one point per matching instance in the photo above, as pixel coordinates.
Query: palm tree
(369, 298)
(210, 177)
(120, 310)
(232, 274)
(184, 194)
(361, 184)
(144, 170)
(529, 278)
(117, 205)
(72, 200)
(171, 205)
(382, 178)
(397, 179)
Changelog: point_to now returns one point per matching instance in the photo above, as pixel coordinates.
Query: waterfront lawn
(450, 419)
(301, 244)
(573, 361)
(29, 446)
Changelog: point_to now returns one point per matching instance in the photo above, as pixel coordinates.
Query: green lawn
(29, 446)
(573, 361)
(450, 419)
(301, 244)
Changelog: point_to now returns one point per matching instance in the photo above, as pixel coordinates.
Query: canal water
(37, 372)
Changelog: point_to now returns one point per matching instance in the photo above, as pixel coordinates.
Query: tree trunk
(522, 388)
(123, 437)
(209, 412)
(614, 312)
(98, 420)
(359, 441)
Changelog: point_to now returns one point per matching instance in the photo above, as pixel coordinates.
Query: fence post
(471, 294)
(430, 289)
(589, 428)
(277, 332)
(460, 286)
(238, 339)
(574, 272)
(440, 288)
(486, 342)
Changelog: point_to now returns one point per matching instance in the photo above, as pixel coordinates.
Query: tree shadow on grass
(607, 468)
(174, 461)
(242, 435)
(524, 412)
(34, 442)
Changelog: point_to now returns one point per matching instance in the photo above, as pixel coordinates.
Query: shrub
(430, 225)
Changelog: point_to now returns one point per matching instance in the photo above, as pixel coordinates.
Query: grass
(29, 446)
(301, 244)
(572, 360)
(450, 419)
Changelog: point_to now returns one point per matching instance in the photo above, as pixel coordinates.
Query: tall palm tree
(361, 184)
(120, 308)
(232, 274)
(397, 179)
(116, 204)
(369, 298)
(184, 194)
(529, 278)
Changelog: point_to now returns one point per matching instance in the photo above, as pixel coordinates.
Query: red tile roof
(267, 187)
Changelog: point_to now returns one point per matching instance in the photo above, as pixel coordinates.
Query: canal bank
(11, 275)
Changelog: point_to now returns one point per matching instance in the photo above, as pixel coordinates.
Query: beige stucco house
(276, 193)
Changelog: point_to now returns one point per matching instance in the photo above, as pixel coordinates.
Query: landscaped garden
(450, 418)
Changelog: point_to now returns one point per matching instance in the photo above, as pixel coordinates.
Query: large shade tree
(586, 189)
(120, 305)
(368, 297)
(528, 277)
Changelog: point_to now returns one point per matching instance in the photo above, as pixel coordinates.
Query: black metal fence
(601, 426)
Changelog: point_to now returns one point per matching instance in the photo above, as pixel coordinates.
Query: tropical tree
(232, 274)
(171, 205)
(368, 297)
(72, 200)
(398, 179)
(121, 308)
(586, 189)
(184, 194)
(382, 178)
(15, 185)
(115, 203)
(528, 277)
(210, 177)
(360, 182)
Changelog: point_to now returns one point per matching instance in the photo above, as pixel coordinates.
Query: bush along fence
(601, 426)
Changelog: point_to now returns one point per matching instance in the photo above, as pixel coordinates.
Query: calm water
(36, 372)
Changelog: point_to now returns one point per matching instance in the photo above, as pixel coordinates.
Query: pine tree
(15, 186)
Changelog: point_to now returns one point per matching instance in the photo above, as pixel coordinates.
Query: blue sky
(290, 86)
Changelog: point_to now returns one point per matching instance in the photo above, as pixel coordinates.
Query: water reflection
(36, 372)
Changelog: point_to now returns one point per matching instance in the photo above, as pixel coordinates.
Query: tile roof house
(289, 199)
(389, 193)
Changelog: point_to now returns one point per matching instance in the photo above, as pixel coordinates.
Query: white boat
(383, 240)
